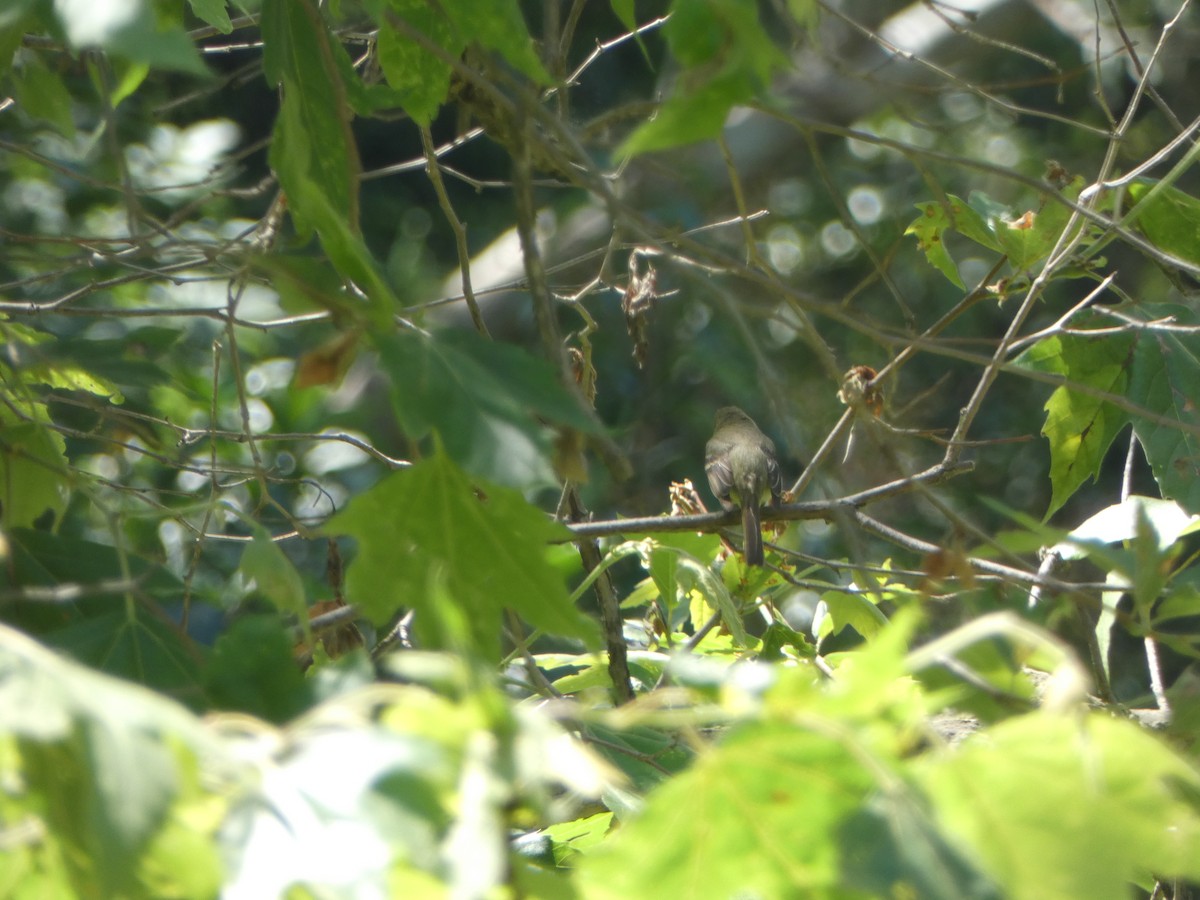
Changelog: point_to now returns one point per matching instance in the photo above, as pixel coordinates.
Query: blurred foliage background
(319, 313)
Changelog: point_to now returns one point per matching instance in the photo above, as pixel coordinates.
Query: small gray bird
(742, 471)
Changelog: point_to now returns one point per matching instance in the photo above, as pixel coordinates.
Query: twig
(611, 623)
(432, 167)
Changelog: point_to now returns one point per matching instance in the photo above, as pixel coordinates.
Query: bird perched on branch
(742, 471)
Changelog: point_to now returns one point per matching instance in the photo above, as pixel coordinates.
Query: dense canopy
(359, 360)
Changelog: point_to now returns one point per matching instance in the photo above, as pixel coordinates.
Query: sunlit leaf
(853, 609)
(1171, 220)
(1068, 806)
(757, 814)
(487, 545)
(1154, 369)
(930, 231)
(99, 753)
(499, 25)
(1080, 427)
(420, 77)
(33, 465)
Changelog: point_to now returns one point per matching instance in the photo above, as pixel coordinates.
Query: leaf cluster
(357, 362)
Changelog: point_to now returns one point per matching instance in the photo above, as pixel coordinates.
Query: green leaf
(350, 255)
(971, 219)
(728, 58)
(1151, 569)
(104, 365)
(1181, 601)
(420, 77)
(46, 559)
(805, 12)
(986, 680)
(1071, 806)
(1163, 379)
(498, 25)
(930, 229)
(70, 377)
(645, 755)
(484, 398)
(99, 754)
(251, 669)
(364, 99)
(306, 283)
(170, 49)
(1025, 237)
(42, 94)
(1080, 427)
(853, 609)
(687, 117)
(624, 10)
(487, 546)
(570, 839)
(135, 645)
(353, 803)
(937, 218)
(676, 560)
(676, 574)
(129, 77)
(728, 33)
(1029, 237)
(214, 13)
(777, 636)
(113, 630)
(12, 30)
(73, 364)
(313, 150)
(33, 464)
(893, 848)
(275, 575)
(183, 859)
(1154, 368)
(1171, 220)
(756, 815)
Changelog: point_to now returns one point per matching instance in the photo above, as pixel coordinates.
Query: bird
(743, 471)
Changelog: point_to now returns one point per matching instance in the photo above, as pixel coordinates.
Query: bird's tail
(752, 532)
